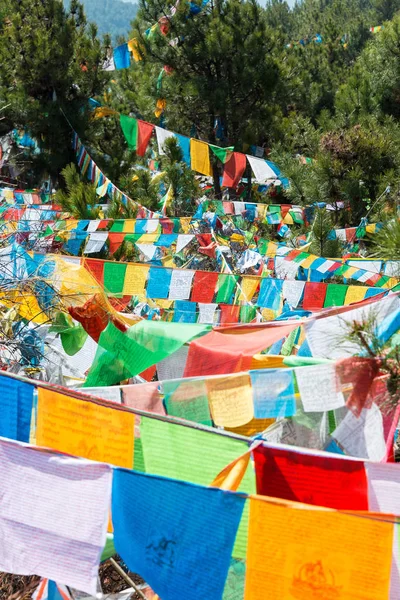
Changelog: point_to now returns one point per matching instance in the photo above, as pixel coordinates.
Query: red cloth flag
(234, 169)
(204, 283)
(145, 131)
(314, 296)
(319, 480)
(231, 350)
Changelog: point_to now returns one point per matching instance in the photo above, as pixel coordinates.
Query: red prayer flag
(310, 478)
(167, 225)
(145, 131)
(229, 314)
(232, 350)
(314, 295)
(204, 284)
(115, 240)
(95, 268)
(234, 169)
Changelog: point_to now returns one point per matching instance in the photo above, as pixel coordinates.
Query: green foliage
(79, 198)
(321, 245)
(49, 64)
(386, 243)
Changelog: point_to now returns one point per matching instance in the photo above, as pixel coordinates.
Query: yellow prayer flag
(135, 280)
(249, 285)
(355, 293)
(103, 111)
(29, 309)
(168, 261)
(231, 400)
(164, 303)
(85, 429)
(268, 314)
(296, 552)
(71, 224)
(267, 361)
(231, 476)
(200, 157)
(307, 262)
(136, 49)
(148, 238)
(185, 224)
(288, 220)
(129, 226)
(391, 283)
(370, 228)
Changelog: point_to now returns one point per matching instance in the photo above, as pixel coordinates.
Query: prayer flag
(223, 154)
(16, 400)
(273, 393)
(84, 428)
(270, 295)
(188, 400)
(177, 536)
(314, 296)
(200, 157)
(122, 57)
(231, 400)
(53, 515)
(204, 284)
(137, 133)
(234, 169)
(320, 480)
(316, 556)
(261, 169)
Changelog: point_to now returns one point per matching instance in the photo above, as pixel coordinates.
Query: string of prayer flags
(53, 515)
(85, 429)
(164, 530)
(234, 168)
(16, 409)
(137, 133)
(318, 479)
(328, 565)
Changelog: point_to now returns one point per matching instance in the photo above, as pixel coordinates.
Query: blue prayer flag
(122, 57)
(270, 293)
(166, 239)
(16, 400)
(184, 144)
(185, 311)
(176, 535)
(158, 283)
(273, 393)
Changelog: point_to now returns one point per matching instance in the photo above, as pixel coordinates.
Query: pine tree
(50, 65)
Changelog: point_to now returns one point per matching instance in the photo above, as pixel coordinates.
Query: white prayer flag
(180, 285)
(319, 388)
(53, 515)
(162, 135)
(261, 169)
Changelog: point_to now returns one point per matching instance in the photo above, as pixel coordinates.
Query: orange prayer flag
(300, 553)
(84, 428)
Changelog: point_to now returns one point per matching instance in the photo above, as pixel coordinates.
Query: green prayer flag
(108, 550)
(335, 294)
(114, 277)
(226, 287)
(129, 127)
(72, 336)
(188, 454)
(117, 226)
(123, 355)
(247, 313)
(188, 400)
(303, 361)
(223, 154)
(262, 246)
